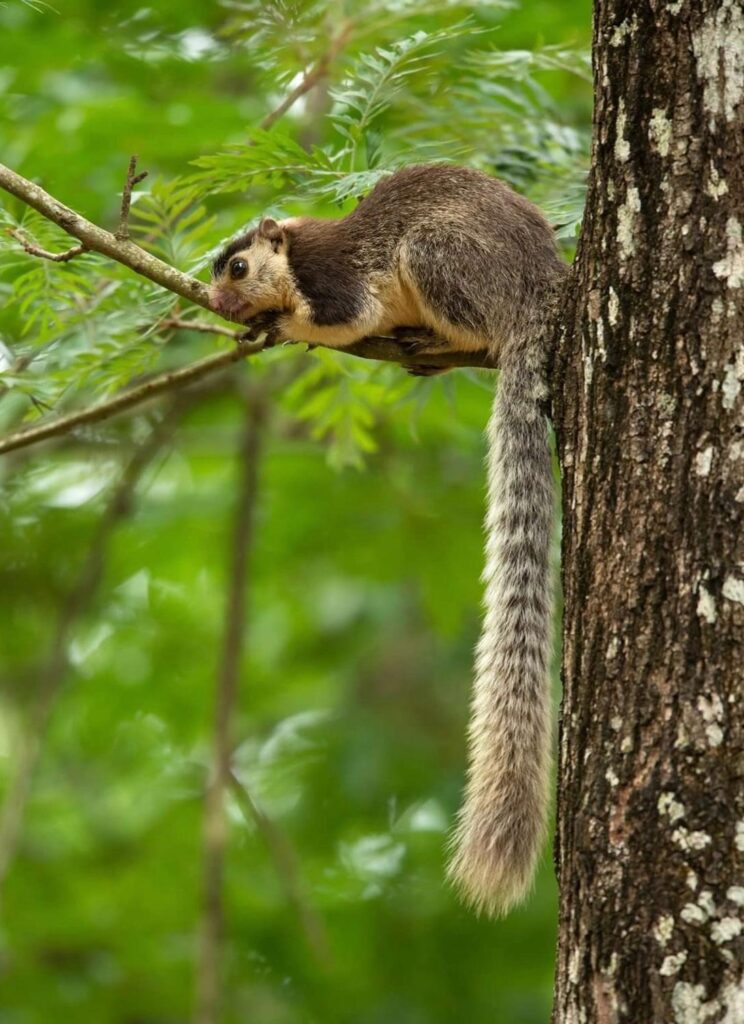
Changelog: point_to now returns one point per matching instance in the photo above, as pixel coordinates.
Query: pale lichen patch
(731, 267)
(663, 929)
(718, 46)
(688, 841)
(669, 805)
(693, 914)
(733, 589)
(689, 1005)
(732, 998)
(613, 307)
(706, 606)
(712, 714)
(611, 777)
(703, 460)
(574, 962)
(735, 893)
(730, 387)
(706, 901)
(660, 131)
(725, 930)
(622, 146)
(714, 734)
(716, 186)
(626, 216)
(672, 964)
(739, 838)
(623, 30)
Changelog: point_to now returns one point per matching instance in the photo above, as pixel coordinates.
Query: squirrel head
(252, 273)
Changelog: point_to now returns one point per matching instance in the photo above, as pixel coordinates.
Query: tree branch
(122, 232)
(44, 254)
(96, 239)
(208, 996)
(171, 380)
(285, 862)
(176, 323)
(311, 78)
(52, 674)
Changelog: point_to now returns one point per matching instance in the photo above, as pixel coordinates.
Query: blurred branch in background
(287, 868)
(209, 966)
(312, 77)
(52, 673)
(171, 380)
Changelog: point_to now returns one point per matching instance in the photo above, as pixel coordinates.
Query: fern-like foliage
(413, 82)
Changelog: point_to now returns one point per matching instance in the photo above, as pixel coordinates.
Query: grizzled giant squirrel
(456, 252)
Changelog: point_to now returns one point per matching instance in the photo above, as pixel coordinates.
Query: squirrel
(456, 252)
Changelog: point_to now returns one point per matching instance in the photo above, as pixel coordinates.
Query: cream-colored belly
(391, 302)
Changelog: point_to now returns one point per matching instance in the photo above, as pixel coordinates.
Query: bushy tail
(501, 826)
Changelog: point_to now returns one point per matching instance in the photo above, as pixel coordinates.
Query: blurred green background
(363, 593)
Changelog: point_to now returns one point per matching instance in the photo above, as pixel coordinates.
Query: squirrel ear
(272, 232)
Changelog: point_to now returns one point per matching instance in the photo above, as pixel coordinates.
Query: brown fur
(451, 249)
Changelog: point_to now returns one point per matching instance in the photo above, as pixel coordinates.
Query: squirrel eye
(238, 268)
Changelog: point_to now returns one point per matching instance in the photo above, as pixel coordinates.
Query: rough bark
(648, 411)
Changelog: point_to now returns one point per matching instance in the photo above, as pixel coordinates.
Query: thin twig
(122, 232)
(44, 254)
(52, 674)
(171, 380)
(287, 868)
(97, 239)
(311, 78)
(209, 966)
(175, 323)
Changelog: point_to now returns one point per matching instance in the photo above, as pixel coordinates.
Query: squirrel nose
(216, 298)
(225, 300)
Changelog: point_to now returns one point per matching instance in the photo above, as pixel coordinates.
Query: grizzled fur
(456, 251)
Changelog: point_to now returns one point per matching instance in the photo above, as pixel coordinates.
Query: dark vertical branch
(52, 673)
(209, 966)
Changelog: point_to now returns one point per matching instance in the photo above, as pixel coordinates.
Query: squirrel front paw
(266, 323)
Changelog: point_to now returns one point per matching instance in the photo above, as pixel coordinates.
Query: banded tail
(501, 826)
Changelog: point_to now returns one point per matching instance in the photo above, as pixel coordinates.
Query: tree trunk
(647, 400)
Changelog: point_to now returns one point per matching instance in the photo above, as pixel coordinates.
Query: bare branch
(311, 78)
(209, 982)
(122, 232)
(52, 674)
(172, 380)
(36, 250)
(98, 240)
(176, 323)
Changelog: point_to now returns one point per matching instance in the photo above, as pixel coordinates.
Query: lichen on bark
(648, 405)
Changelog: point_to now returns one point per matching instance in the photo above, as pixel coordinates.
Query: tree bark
(647, 401)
